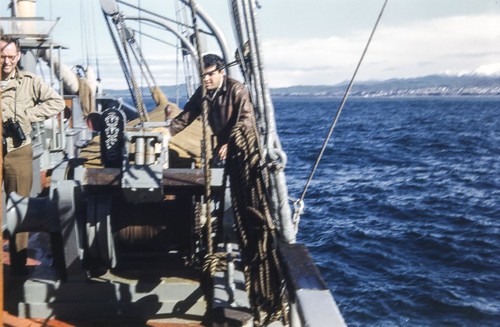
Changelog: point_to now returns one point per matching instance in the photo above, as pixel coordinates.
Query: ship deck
(146, 289)
(151, 290)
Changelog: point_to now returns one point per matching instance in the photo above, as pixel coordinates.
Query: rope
(125, 62)
(257, 232)
(249, 57)
(82, 31)
(211, 264)
(141, 108)
(204, 143)
(125, 70)
(299, 203)
(98, 69)
(170, 20)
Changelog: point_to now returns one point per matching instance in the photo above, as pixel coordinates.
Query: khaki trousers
(18, 177)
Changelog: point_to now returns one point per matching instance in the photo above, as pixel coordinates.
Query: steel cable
(299, 203)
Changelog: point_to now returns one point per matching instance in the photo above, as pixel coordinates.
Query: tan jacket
(28, 99)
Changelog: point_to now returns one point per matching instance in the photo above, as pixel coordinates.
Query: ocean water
(403, 215)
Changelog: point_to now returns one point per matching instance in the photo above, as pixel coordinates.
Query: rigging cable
(98, 70)
(204, 144)
(125, 39)
(173, 21)
(299, 204)
(126, 71)
(249, 56)
(84, 32)
(139, 14)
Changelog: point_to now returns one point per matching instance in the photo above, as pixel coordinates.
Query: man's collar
(15, 74)
(221, 88)
(12, 75)
(223, 84)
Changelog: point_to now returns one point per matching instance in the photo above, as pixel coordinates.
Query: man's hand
(168, 112)
(223, 152)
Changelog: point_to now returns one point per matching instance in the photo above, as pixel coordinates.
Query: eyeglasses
(11, 58)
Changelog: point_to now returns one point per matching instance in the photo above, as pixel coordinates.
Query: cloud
(453, 44)
(488, 70)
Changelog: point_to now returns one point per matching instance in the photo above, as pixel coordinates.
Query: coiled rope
(254, 224)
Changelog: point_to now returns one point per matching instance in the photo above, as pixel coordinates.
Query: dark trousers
(18, 177)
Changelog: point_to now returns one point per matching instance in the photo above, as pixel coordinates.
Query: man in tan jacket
(25, 99)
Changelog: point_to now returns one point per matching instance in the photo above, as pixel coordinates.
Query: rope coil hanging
(256, 229)
(252, 66)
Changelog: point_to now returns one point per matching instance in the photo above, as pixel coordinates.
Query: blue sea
(403, 215)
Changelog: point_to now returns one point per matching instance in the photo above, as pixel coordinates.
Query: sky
(315, 42)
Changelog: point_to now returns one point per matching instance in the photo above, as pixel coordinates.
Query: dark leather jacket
(230, 104)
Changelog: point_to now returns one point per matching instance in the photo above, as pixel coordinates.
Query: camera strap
(15, 95)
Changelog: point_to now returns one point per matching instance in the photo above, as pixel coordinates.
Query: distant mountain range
(434, 85)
